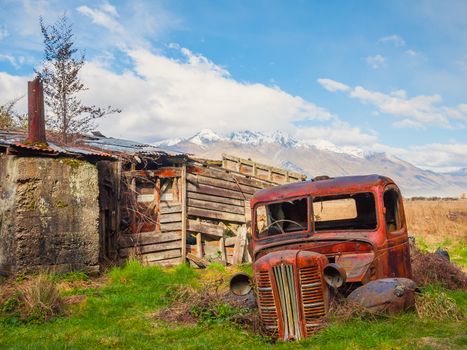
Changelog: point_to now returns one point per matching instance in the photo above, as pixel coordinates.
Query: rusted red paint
(36, 119)
(365, 255)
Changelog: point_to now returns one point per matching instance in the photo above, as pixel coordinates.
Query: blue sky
(374, 75)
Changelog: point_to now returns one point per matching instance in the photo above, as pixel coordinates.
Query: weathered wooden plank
(201, 263)
(173, 217)
(215, 199)
(130, 240)
(171, 226)
(222, 250)
(210, 230)
(184, 213)
(199, 245)
(230, 241)
(216, 206)
(167, 209)
(217, 215)
(168, 254)
(150, 248)
(231, 175)
(216, 191)
(239, 246)
(221, 183)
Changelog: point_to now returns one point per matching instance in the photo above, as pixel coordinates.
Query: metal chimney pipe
(36, 118)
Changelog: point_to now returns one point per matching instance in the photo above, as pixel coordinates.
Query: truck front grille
(285, 280)
(267, 306)
(313, 305)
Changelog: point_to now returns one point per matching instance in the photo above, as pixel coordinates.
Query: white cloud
(15, 62)
(376, 61)
(435, 156)
(332, 85)
(339, 133)
(415, 112)
(163, 98)
(104, 16)
(394, 39)
(12, 87)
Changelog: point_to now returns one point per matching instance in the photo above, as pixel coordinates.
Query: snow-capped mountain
(320, 158)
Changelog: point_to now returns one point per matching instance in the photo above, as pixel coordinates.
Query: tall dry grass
(439, 223)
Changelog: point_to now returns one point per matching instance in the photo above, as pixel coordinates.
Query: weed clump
(431, 268)
(208, 305)
(35, 299)
(435, 304)
(41, 299)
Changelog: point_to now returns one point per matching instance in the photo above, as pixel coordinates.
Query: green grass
(120, 315)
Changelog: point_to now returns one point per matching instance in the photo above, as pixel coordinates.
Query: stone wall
(49, 215)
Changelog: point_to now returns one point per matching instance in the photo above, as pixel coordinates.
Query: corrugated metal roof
(95, 146)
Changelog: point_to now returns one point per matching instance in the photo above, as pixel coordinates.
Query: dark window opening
(345, 212)
(392, 211)
(283, 217)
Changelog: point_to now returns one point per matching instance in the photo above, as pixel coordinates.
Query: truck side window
(393, 215)
(282, 217)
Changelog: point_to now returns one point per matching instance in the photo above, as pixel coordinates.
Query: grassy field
(439, 224)
(119, 309)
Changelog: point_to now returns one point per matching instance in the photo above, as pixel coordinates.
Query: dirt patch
(431, 268)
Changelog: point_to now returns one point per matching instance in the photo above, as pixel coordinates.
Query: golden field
(439, 223)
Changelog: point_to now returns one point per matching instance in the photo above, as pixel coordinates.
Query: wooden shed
(194, 208)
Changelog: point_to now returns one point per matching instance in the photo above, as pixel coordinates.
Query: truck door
(396, 232)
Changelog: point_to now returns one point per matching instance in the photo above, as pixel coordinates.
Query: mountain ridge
(280, 149)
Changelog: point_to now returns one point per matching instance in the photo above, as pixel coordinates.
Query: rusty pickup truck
(313, 240)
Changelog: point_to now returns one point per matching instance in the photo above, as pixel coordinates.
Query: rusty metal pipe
(36, 116)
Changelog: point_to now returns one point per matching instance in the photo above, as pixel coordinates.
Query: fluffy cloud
(414, 112)
(376, 61)
(394, 39)
(15, 62)
(338, 133)
(104, 16)
(332, 85)
(435, 156)
(164, 97)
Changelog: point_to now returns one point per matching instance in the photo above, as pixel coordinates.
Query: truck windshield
(355, 211)
(283, 217)
(345, 212)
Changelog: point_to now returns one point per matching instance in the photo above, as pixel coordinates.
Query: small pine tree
(62, 85)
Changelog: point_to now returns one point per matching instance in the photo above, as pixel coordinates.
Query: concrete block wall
(49, 215)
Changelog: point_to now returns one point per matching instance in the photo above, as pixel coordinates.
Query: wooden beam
(216, 215)
(184, 212)
(222, 250)
(222, 183)
(239, 246)
(150, 248)
(210, 230)
(215, 191)
(130, 240)
(215, 199)
(166, 209)
(172, 217)
(199, 245)
(201, 263)
(216, 206)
